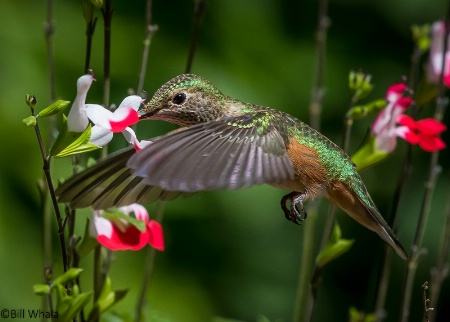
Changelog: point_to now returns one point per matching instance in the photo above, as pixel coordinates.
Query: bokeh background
(229, 254)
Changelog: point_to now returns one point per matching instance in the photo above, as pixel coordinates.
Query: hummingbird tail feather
(365, 214)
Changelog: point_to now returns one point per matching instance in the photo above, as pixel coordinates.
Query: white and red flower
(392, 123)
(434, 66)
(119, 234)
(105, 122)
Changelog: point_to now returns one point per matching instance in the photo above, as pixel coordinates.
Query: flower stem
(304, 302)
(149, 266)
(107, 18)
(433, 173)
(51, 189)
(149, 31)
(440, 272)
(315, 107)
(199, 11)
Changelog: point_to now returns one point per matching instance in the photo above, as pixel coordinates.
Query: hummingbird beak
(146, 115)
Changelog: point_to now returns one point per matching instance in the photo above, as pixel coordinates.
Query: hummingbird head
(185, 100)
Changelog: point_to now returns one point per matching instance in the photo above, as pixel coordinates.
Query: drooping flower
(77, 120)
(434, 65)
(105, 122)
(118, 233)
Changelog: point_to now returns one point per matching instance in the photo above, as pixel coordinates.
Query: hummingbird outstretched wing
(228, 153)
(109, 183)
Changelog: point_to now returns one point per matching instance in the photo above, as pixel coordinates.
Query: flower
(117, 230)
(434, 65)
(424, 132)
(105, 122)
(384, 128)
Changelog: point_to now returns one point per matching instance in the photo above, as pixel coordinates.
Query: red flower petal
(404, 102)
(127, 116)
(395, 90)
(431, 143)
(156, 237)
(431, 126)
(130, 239)
(406, 120)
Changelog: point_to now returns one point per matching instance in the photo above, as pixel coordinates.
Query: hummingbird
(223, 143)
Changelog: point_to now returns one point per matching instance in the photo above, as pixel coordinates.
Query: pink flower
(434, 65)
(105, 122)
(119, 234)
(424, 132)
(385, 129)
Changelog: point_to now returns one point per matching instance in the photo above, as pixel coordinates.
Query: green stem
(199, 11)
(149, 267)
(303, 311)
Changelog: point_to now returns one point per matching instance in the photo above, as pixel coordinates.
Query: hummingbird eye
(179, 98)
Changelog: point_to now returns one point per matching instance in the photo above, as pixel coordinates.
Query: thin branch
(107, 18)
(199, 11)
(51, 189)
(90, 28)
(149, 31)
(318, 90)
(426, 300)
(304, 301)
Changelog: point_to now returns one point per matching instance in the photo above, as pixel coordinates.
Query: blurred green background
(229, 253)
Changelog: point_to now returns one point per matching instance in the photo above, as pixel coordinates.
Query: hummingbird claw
(292, 213)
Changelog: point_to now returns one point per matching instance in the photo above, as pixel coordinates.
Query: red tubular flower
(119, 234)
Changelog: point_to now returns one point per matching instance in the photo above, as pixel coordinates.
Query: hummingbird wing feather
(109, 183)
(229, 153)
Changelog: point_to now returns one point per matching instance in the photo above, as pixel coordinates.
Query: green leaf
(41, 289)
(334, 248)
(360, 316)
(360, 85)
(421, 36)
(73, 305)
(70, 275)
(360, 111)
(117, 216)
(366, 156)
(70, 143)
(106, 299)
(29, 121)
(54, 108)
(87, 243)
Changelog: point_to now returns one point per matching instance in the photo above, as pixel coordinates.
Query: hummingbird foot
(292, 213)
